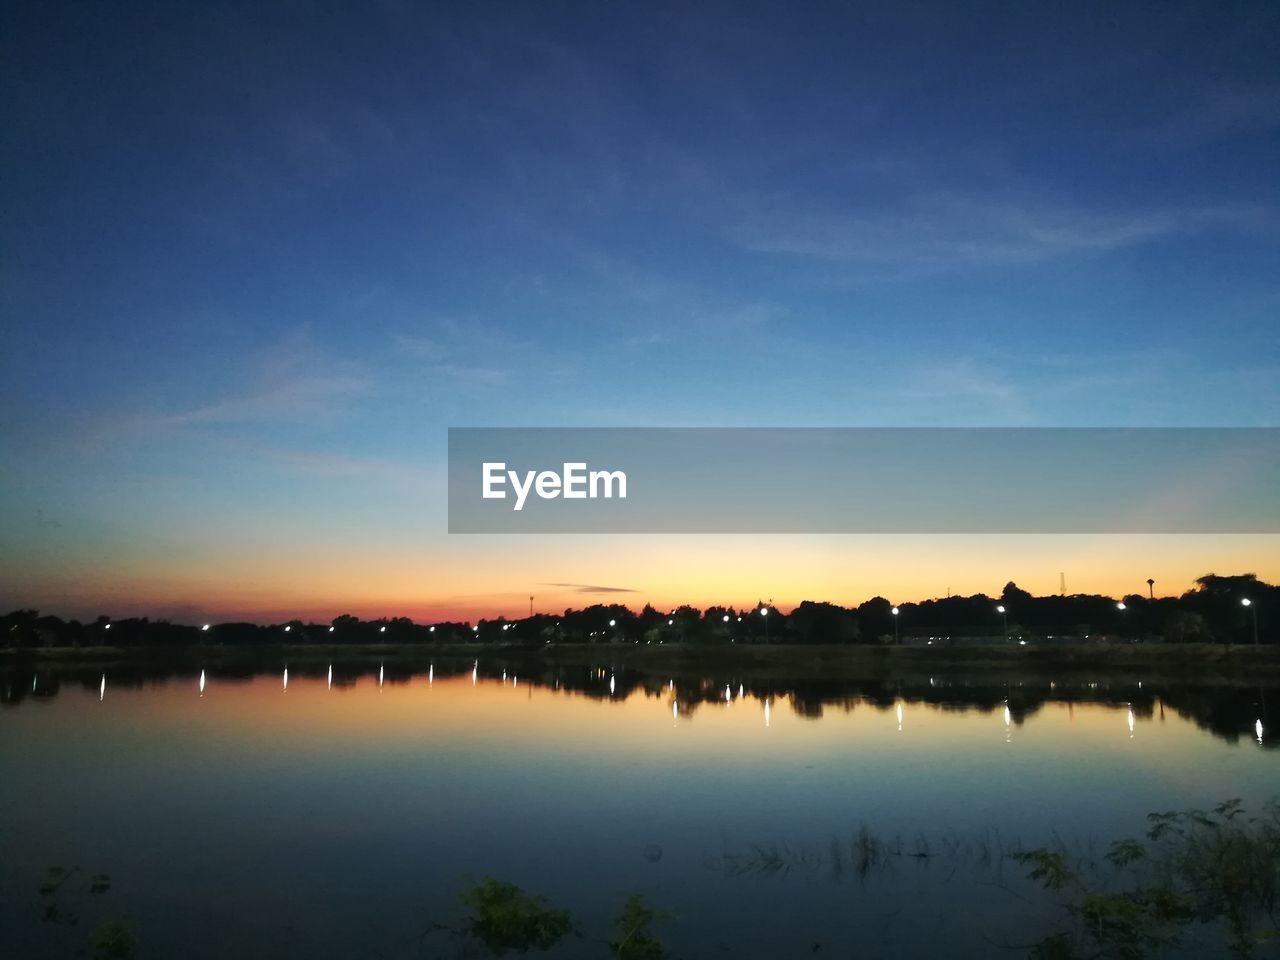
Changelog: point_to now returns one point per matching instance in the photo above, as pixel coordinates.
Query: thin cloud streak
(947, 232)
(588, 588)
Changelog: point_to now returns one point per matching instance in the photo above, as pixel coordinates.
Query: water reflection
(1231, 713)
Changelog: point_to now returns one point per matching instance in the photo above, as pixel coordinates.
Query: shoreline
(1215, 662)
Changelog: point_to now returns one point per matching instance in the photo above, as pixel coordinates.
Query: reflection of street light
(1246, 602)
(1005, 615)
(894, 611)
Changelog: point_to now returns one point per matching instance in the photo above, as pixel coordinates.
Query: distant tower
(531, 606)
(1062, 584)
(1151, 589)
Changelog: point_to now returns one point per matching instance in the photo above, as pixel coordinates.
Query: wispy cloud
(480, 353)
(297, 397)
(588, 588)
(289, 381)
(337, 464)
(965, 386)
(942, 232)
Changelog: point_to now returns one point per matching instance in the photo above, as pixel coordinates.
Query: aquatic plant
(1218, 869)
(504, 917)
(634, 941)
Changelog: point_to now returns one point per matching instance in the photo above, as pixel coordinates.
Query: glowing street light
(205, 628)
(1246, 602)
(1121, 607)
(894, 611)
(1005, 615)
(764, 612)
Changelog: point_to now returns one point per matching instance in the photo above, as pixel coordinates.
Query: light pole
(1122, 608)
(1151, 589)
(1005, 615)
(894, 611)
(1246, 602)
(764, 612)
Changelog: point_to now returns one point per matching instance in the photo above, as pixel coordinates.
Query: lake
(340, 813)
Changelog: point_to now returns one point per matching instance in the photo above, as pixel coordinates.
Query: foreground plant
(504, 917)
(1217, 869)
(634, 941)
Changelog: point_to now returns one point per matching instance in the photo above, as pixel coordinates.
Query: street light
(894, 611)
(764, 612)
(1004, 614)
(1246, 602)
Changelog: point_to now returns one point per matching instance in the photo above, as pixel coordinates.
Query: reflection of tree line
(1227, 712)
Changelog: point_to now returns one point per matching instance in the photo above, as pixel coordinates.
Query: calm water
(340, 817)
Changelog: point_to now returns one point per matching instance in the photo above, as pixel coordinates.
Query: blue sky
(254, 250)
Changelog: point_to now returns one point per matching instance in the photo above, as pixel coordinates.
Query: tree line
(1213, 612)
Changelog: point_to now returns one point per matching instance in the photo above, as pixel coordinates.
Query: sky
(256, 258)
